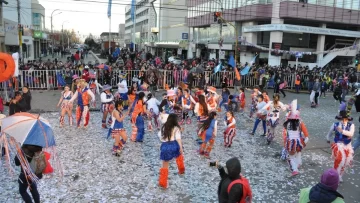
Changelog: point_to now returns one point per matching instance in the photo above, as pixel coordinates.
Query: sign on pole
(221, 54)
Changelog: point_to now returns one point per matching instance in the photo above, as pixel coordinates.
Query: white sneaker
(341, 180)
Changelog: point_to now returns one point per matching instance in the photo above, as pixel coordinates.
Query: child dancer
(208, 133)
(137, 120)
(297, 136)
(178, 104)
(171, 147)
(152, 105)
(107, 100)
(65, 107)
(212, 99)
(131, 95)
(224, 99)
(260, 115)
(117, 130)
(254, 97)
(342, 151)
(266, 97)
(187, 105)
(202, 111)
(242, 99)
(93, 87)
(230, 131)
(272, 119)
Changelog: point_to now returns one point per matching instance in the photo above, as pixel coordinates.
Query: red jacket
(86, 75)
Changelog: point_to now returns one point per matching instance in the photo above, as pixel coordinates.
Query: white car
(174, 60)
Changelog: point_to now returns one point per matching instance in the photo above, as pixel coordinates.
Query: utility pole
(19, 31)
(52, 33)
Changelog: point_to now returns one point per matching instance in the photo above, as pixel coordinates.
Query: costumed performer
(260, 115)
(75, 83)
(171, 147)
(242, 99)
(167, 105)
(297, 136)
(342, 151)
(201, 109)
(254, 98)
(273, 114)
(137, 121)
(208, 133)
(212, 98)
(152, 105)
(82, 109)
(117, 131)
(65, 105)
(188, 104)
(230, 130)
(107, 105)
(123, 90)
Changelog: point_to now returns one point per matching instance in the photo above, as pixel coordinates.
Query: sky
(86, 17)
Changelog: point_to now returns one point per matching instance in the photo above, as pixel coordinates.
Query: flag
(231, 61)
(246, 70)
(237, 74)
(109, 8)
(218, 68)
(133, 10)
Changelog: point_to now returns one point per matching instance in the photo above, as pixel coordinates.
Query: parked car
(174, 60)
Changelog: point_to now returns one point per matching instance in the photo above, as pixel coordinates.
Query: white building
(2, 30)
(10, 20)
(160, 31)
(38, 22)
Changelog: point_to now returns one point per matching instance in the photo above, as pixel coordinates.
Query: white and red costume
(342, 151)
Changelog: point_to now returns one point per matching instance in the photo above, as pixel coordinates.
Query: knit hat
(330, 178)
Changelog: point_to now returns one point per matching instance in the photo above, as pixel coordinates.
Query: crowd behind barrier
(48, 79)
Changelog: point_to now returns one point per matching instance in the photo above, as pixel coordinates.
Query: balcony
(314, 10)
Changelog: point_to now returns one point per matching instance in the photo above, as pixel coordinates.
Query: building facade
(2, 29)
(11, 24)
(39, 35)
(159, 31)
(318, 26)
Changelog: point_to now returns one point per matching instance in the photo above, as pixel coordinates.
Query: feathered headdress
(294, 112)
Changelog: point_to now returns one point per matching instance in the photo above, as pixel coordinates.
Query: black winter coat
(236, 192)
(320, 193)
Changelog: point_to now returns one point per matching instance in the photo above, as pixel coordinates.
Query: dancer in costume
(201, 109)
(65, 106)
(230, 130)
(242, 99)
(212, 98)
(254, 98)
(297, 136)
(171, 147)
(260, 115)
(272, 120)
(75, 83)
(167, 105)
(152, 105)
(266, 96)
(178, 104)
(208, 132)
(187, 105)
(342, 151)
(137, 110)
(123, 90)
(117, 131)
(224, 99)
(107, 104)
(93, 88)
(82, 109)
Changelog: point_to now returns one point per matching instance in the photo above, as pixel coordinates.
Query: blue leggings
(226, 106)
(257, 121)
(140, 128)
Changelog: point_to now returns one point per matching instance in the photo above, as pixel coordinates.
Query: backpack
(38, 163)
(247, 194)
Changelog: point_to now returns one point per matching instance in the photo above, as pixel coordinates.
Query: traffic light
(216, 16)
(357, 58)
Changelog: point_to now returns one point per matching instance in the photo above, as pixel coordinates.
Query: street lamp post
(52, 33)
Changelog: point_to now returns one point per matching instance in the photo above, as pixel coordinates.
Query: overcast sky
(85, 17)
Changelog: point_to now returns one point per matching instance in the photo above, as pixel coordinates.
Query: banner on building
(276, 46)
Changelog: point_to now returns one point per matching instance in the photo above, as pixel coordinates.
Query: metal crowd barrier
(47, 79)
